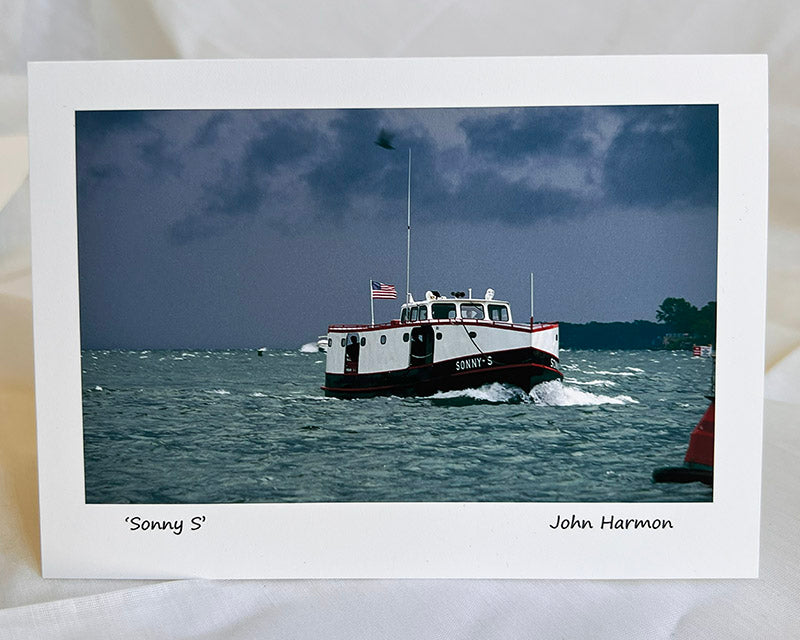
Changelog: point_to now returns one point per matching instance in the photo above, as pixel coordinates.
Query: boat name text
(137, 523)
(473, 363)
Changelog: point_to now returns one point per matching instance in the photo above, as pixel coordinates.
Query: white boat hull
(439, 355)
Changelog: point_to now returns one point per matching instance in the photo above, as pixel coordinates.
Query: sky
(251, 228)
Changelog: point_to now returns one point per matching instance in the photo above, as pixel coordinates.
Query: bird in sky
(385, 139)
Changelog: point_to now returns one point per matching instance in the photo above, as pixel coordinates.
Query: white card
(198, 228)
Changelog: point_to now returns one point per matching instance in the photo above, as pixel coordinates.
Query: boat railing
(530, 326)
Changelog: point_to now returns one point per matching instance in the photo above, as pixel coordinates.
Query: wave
(548, 394)
(614, 373)
(591, 383)
(557, 394)
(494, 393)
(220, 392)
(309, 347)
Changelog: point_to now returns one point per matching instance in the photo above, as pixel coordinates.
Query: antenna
(408, 236)
(531, 297)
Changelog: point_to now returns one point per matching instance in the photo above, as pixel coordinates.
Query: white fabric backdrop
(31, 607)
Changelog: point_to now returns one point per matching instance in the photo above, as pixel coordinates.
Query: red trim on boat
(352, 328)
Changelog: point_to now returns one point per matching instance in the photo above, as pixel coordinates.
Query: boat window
(343, 341)
(330, 341)
(405, 337)
(383, 339)
(363, 341)
(404, 315)
(423, 313)
(443, 311)
(414, 312)
(472, 311)
(498, 312)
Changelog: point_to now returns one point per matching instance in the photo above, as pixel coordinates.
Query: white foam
(494, 393)
(556, 394)
(591, 383)
(258, 394)
(614, 373)
(309, 347)
(636, 369)
(220, 392)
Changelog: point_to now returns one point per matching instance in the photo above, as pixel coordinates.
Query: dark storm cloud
(359, 169)
(159, 155)
(487, 197)
(95, 126)
(241, 188)
(664, 156)
(102, 134)
(295, 168)
(208, 132)
(527, 132)
(353, 166)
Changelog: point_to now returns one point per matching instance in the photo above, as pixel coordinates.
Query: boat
(440, 344)
(322, 343)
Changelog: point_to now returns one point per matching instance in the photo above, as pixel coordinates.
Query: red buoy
(698, 464)
(701, 441)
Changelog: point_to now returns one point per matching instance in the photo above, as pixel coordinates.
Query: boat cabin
(437, 307)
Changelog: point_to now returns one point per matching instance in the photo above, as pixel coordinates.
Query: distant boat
(322, 344)
(702, 350)
(440, 344)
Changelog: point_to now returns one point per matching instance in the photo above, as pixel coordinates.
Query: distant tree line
(680, 326)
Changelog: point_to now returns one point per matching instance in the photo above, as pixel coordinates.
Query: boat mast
(531, 297)
(408, 234)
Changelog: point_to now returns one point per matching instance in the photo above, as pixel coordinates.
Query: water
(233, 426)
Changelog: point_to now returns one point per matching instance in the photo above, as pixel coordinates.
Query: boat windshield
(472, 311)
(443, 311)
(498, 312)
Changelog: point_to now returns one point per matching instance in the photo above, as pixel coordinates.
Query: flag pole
(371, 306)
(408, 230)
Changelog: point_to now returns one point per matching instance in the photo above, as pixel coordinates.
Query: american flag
(382, 291)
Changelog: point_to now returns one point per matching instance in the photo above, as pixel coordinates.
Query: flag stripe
(381, 291)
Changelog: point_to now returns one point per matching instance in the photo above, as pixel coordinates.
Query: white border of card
(500, 540)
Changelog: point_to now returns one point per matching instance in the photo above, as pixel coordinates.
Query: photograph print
(506, 304)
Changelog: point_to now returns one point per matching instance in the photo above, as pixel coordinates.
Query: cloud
(295, 169)
(208, 133)
(664, 156)
(159, 155)
(525, 132)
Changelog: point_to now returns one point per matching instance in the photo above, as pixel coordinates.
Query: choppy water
(232, 426)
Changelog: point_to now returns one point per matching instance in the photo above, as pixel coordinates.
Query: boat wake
(494, 393)
(557, 394)
(548, 394)
(309, 347)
